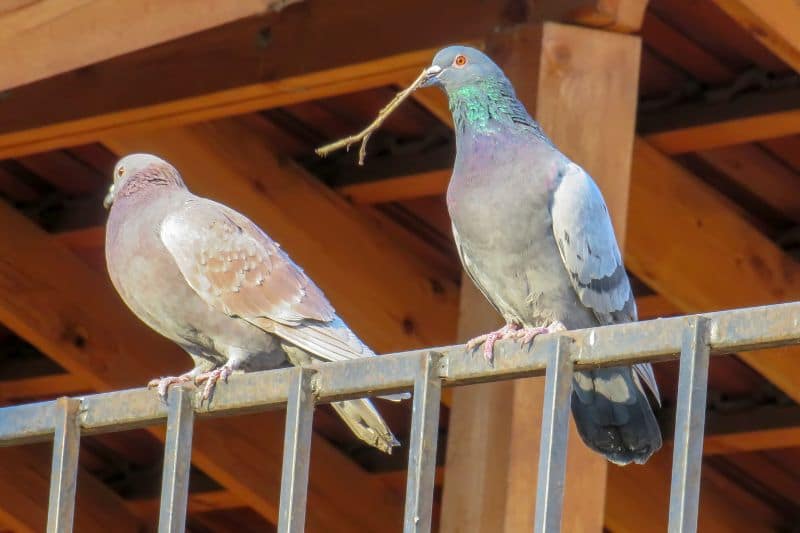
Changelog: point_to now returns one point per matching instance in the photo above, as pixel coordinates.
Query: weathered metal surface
(177, 462)
(736, 330)
(687, 458)
(555, 430)
(422, 448)
(64, 473)
(296, 452)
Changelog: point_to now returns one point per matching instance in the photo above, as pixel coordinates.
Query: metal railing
(692, 338)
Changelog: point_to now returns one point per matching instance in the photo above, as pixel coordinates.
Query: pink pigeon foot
(210, 379)
(511, 331)
(163, 384)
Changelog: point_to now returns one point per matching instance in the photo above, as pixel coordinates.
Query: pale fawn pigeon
(534, 234)
(207, 278)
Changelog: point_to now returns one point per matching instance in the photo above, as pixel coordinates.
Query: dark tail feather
(614, 416)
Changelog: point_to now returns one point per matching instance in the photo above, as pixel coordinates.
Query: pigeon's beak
(431, 76)
(109, 199)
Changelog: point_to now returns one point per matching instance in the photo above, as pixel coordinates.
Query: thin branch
(364, 134)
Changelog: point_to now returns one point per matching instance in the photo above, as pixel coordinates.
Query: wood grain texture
(48, 37)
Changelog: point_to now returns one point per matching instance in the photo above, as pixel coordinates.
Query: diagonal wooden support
(24, 486)
(32, 36)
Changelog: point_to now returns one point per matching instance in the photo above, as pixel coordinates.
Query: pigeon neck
(489, 107)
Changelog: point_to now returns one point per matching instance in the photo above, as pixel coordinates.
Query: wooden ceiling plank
(33, 36)
(676, 221)
(638, 500)
(682, 51)
(41, 387)
(24, 489)
(397, 189)
(773, 23)
(215, 105)
(748, 117)
(756, 171)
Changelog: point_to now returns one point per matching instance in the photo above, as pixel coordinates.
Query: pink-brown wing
(236, 267)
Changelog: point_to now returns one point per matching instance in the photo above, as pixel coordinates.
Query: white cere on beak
(109, 199)
(433, 70)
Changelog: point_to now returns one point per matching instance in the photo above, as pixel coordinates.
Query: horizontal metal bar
(735, 330)
(33, 422)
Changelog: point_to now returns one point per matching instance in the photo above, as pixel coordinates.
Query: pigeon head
(136, 171)
(482, 100)
(456, 67)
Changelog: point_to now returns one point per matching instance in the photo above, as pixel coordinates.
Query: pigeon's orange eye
(120, 171)
(460, 60)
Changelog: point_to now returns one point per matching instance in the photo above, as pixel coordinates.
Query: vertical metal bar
(64, 474)
(422, 449)
(296, 453)
(553, 445)
(177, 461)
(690, 420)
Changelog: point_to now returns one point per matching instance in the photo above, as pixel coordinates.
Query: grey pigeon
(534, 234)
(209, 279)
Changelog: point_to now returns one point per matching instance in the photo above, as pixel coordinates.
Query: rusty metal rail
(692, 338)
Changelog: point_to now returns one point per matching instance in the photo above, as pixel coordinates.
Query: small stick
(364, 134)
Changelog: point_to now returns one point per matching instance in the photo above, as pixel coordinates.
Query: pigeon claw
(511, 331)
(210, 379)
(489, 339)
(163, 384)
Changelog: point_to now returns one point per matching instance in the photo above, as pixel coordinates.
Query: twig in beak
(364, 134)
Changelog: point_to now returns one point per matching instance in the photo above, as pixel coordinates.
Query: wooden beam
(24, 489)
(576, 81)
(199, 502)
(699, 126)
(754, 170)
(623, 16)
(239, 100)
(33, 36)
(255, 64)
(773, 23)
(654, 306)
(76, 319)
(639, 501)
(679, 49)
(677, 221)
(397, 189)
(41, 387)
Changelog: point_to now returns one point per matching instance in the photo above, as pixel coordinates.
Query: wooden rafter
(675, 222)
(24, 494)
(699, 126)
(257, 63)
(48, 37)
(773, 23)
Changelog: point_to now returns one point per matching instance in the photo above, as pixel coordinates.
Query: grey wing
(582, 228)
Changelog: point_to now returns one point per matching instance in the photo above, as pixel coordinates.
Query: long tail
(614, 416)
(363, 419)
